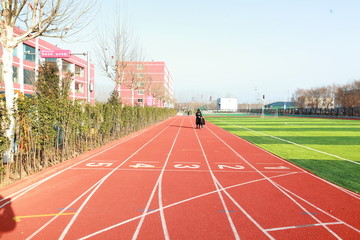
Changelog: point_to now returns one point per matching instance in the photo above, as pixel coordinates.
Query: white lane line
(28, 188)
(67, 228)
(67, 207)
(353, 194)
(319, 209)
(296, 144)
(277, 186)
(301, 226)
(146, 161)
(178, 203)
(188, 162)
(159, 188)
(70, 205)
(218, 188)
(269, 163)
(182, 170)
(104, 161)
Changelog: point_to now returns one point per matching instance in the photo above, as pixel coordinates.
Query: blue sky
(230, 48)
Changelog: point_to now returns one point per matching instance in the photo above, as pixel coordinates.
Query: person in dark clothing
(198, 115)
(202, 122)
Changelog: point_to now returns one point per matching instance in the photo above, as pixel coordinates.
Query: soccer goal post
(269, 113)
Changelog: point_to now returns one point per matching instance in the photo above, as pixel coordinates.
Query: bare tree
(349, 95)
(314, 97)
(300, 98)
(134, 78)
(115, 49)
(56, 18)
(328, 96)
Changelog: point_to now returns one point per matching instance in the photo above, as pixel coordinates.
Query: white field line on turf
(157, 187)
(181, 202)
(296, 144)
(28, 188)
(277, 186)
(218, 188)
(67, 228)
(353, 194)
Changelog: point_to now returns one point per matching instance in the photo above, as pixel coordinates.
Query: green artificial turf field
(330, 148)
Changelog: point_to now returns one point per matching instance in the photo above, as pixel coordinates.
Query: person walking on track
(198, 115)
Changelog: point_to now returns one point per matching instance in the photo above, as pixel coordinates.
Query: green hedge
(51, 128)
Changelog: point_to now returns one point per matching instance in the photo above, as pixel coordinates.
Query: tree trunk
(7, 59)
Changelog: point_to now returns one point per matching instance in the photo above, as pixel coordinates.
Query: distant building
(227, 104)
(147, 84)
(281, 105)
(26, 61)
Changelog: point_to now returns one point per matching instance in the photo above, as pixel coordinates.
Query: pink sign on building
(55, 53)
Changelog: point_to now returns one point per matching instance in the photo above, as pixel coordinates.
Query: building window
(66, 66)
(29, 77)
(79, 87)
(140, 67)
(140, 75)
(79, 71)
(140, 100)
(29, 53)
(16, 74)
(140, 92)
(51, 61)
(15, 53)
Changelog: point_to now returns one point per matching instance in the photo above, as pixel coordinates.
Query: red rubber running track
(172, 181)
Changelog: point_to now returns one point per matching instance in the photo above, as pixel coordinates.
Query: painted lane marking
(301, 226)
(142, 165)
(18, 218)
(188, 162)
(158, 187)
(309, 213)
(181, 170)
(144, 210)
(99, 184)
(186, 166)
(104, 160)
(179, 203)
(280, 167)
(145, 161)
(21, 192)
(99, 164)
(219, 188)
(269, 163)
(231, 167)
(276, 185)
(226, 211)
(320, 210)
(67, 209)
(352, 194)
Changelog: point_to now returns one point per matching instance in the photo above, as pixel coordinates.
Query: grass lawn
(330, 148)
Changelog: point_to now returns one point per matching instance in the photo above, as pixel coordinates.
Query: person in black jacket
(198, 115)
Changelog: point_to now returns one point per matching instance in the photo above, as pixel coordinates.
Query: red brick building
(27, 58)
(146, 84)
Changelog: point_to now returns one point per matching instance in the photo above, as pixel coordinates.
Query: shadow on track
(7, 223)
